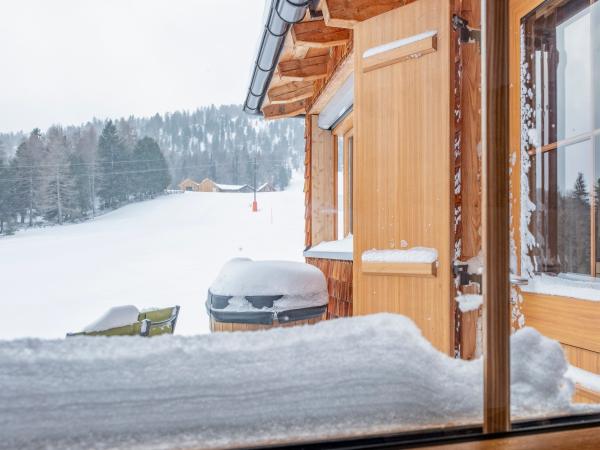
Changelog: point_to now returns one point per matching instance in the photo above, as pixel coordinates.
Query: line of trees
(69, 173)
(56, 179)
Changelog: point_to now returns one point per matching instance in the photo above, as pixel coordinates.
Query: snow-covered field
(156, 253)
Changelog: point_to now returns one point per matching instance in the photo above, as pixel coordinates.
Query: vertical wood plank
(496, 288)
(322, 173)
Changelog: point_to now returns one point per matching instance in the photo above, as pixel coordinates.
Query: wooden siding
(568, 320)
(216, 327)
(307, 175)
(339, 285)
(322, 189)
(467, 132)
(402, 161)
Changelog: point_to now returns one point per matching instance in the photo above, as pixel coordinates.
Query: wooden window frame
(589, 136)
(345, 131)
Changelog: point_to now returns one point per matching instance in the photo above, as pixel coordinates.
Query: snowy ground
(161, 252)
(349, 376)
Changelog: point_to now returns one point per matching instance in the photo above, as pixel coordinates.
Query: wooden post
(496, 287)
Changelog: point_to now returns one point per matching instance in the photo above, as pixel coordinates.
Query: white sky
(66, 61)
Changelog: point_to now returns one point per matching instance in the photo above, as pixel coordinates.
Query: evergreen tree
(7, 207)
(152, 172)
(27, 169)
(58, 184)
(112, 167)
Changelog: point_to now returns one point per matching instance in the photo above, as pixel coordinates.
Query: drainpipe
(281, 15)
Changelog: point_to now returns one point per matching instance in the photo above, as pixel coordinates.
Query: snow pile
(242, 276)
(476, 264)
(370, 374)
(469, 302)
(588, 380)
(115, 317)
(340, 249)
(411, 255)
(565, 285)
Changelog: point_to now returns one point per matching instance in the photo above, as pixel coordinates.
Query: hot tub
(252, 295)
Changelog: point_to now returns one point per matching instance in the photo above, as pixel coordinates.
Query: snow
(302, 285)
(160, 253)
(369, 374)
(230, 187)
(588, 380)
(242, 276)
(411, 255)
(397, 44)
(469, 302)
(565, 285)
(340, 249)
(117, 316)
(475, 264)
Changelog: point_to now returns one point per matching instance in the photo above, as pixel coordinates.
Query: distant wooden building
(266, 187)
(189, 185)
(208, 185)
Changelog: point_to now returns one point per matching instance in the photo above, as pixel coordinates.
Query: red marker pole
(254, 203)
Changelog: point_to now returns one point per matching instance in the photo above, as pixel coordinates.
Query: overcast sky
(66, 61)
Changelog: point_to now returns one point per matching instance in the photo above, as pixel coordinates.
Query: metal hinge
(467, 35)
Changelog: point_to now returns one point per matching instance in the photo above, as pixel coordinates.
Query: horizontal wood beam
(316, 33)
(281, 110)
(291, 92)
(307, 69)
(339, 76)
(346, 13)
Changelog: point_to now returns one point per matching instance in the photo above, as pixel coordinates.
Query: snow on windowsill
(341, 249)
(412, 255)
(584, 378)
(565, 285)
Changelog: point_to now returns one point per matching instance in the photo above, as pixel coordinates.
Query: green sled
(149, 323)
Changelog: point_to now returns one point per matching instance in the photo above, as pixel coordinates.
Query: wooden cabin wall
(468, 132)
(467, 166)
(339, 285)
(404, 168)
(307, 190)
(322, 173)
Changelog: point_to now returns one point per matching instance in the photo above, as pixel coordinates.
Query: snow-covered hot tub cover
(247, 291)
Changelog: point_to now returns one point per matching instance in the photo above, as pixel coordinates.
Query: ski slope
(156, 253)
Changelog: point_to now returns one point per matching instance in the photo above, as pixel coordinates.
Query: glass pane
(560, 180)
(561, 221)
(340, 187)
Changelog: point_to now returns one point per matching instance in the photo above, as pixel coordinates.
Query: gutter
(281, 16)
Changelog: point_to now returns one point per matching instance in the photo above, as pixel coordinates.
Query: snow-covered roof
(256, 388)
(231, 187)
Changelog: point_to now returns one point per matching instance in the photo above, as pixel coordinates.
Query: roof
(231, 187)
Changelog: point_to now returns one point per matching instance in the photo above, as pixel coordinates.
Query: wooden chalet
(208, 185)
(390, 94)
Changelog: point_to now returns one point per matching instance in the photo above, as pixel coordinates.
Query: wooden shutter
(403, 176)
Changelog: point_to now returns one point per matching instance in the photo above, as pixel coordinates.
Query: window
(344, 139)
(560, 62)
